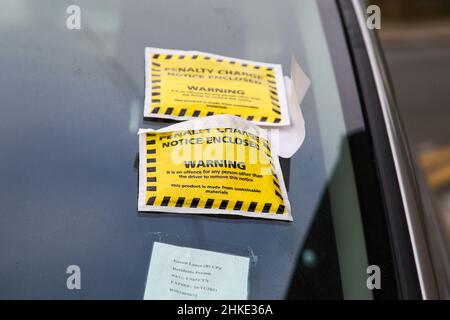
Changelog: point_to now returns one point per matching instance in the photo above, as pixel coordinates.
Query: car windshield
(72, 102)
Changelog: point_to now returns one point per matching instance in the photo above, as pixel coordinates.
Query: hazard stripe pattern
(150, 141)
(156, 104)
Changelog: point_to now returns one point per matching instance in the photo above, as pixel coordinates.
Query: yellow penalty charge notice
(183, 85)
(216, 165)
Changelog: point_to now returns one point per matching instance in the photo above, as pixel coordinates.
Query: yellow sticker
(188, 84)
(215, 170)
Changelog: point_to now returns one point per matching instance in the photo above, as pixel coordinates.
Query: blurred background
(415, 36)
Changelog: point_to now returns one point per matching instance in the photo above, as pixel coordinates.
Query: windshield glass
(72, 102)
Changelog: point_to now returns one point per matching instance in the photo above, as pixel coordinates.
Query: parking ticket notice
(179, 273)
(184, 85)
(219, 165)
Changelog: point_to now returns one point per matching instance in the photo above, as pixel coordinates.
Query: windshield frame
(405, 273)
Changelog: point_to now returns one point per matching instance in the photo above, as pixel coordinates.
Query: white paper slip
(181, 273)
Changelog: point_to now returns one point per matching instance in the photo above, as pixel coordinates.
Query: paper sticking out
(184, 85)
(181, 273)
(291, 137)
(214, 165)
